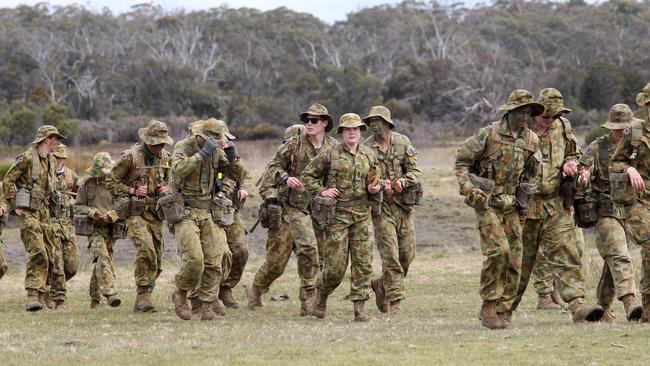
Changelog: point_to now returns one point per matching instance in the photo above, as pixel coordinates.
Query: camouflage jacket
(93, 196)
(495, 154)
(597, 156)
(19, 176)
(68, 184)
(235, 177)
(626, 155)
(133, 170)
(289, 161)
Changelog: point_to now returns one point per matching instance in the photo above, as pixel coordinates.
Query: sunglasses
(313, 121)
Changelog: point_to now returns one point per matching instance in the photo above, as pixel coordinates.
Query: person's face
(351, 136)
(156, 149)
(378, 126)
(315, 125)
(617, 135)
(544, 121)
(52, 142)
(519, 118)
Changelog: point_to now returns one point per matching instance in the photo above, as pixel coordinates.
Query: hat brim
(642, 99)
(620, 125)
(229, 136)
(330, 120)
(391, 124)
(362, 127)
(149, 140)
(37, 140)
(537, 108)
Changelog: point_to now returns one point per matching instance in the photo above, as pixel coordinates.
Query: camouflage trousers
(3, 263)
(500, 233)
(319, 233)
(542, 272)
(555, 234)
(236, 238)
(348, 239)
(202, 246)
(294, 234)
(637, 229)
(44, 270)
(395, 239)
(617, 276)
(65, 231)
(145, 232)
(102, 280)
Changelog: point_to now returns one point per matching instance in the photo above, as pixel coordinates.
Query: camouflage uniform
(347, 236)
(95, 201)
(394, 230)
(138, 166)
(44, 258)
(3, 218)
(508, 161)
(68, 186)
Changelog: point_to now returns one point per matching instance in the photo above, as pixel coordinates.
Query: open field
(438, 324)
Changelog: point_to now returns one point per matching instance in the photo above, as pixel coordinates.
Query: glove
(231, 151)
(111, 216)
(209, 147)
(477, 198)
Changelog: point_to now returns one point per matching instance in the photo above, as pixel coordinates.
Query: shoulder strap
(36, 165)
(603, 150)
(493, 142)
(568, 132)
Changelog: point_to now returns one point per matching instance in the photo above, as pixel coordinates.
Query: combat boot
(489, 317)
(254, 297)
(580, 312)
(207, 311)
(196, 305)
(225, 295)
(645, 317)
(555, 296)
(113, 301)
(395, 308)
(44, 298)
(608, 315)
(60, 305)
(307, 302)
(506, 319)
(32, 301)
(320, 307)
(545, 302)
(633, 310)
(380, 295)
(218, 308)
(359, 314)
(179, 298)
(94, 304)
(143, 303)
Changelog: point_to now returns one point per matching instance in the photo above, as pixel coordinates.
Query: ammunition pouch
(622, 191)
(323, 210)
(83, 225)
(223, 214)
(121, 206)
(375, 202)
(299, 200)
(137, 205)
(524, 194)
(270, 215)
(412, 195)
(586, 210)
(606, 206)
(118, 229)
(23, 199)
(568, 192)
(37, 199)
(57, 204)
(171, 207)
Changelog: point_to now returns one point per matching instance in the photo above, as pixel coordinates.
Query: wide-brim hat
(224, 129)
(643, 98)
(350, 120)
(155, 133)
(381, 112)
(521, 98)
(210, 129)
(553, 102)
(620, 117)
(46, 131)
(60, 152)
(318, 110)
(102, 164)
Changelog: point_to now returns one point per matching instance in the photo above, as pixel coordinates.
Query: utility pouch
(323, 210)
(299, 200)
(118, 229)
(412, 195)
(83, 225)
(270, 215)
(375, 201)
(586, 211)
(622, 191)
(121, 206)
(223, 214)
(137, 206)
(57, 204)
(23, 198)
(524, 194)
(37, 199)
(172, 208)
(606, 207)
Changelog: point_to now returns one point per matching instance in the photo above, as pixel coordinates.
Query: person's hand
(209, 147)
(585, 175)
(141, 191)
(242, 195)
(476, 198)
(331, 193)
(398, 186)
(570, 168)
(635, 179)
(2, 211)
(163, 189)
(19, 211)
(374, 189)
(294, 183)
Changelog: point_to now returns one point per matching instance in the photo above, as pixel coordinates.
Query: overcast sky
(328, 10)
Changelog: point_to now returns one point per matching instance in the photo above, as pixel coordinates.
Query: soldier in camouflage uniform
(629, 175)
(617, 276)
(493, 167)
(28, 188)
(68, 186)
(393, 225)
(95, 201)
(349, 173)
(138, 178)
(549, 224)
(4, 213)
(281, 185)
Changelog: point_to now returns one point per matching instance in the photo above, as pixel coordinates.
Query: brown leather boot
(506, 319)
(359, 314)
(60, 305)
(395, 308)
(219, 308)
(555, 296)
(608, 315)
(580, 312)
(196, 305)
(207, 311)
(380, 295)
(32, 301)
(633, 310)
(307, 302)
(645, 316)
(489, 317)
(225, 295)
(143, 303)
(545, 302)
(179, 298)
(320, 307)
(44, 298)
(254, 297)
(94, 304)
(113, 301)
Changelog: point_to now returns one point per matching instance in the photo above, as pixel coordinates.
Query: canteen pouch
(299, 200)
(622, 191)
(172, 207)
(118, 229)
(412, 195)
(83, 225)
(223, 214)
(524, 194)
(121, 206)
(323, 210)
(586, 211)
(137, 206)
(375, 201)
(274, 213)
(23, 199)
(37, 199)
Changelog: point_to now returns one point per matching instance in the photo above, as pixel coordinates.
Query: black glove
(209, 147)
(231, 151)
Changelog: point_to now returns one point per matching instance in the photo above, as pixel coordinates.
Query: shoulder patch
(626, 131)
(20, 159)
(588, 150)
(124, 156)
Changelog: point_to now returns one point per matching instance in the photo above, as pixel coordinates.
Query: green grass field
(438, 324)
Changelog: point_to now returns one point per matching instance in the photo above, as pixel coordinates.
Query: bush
(4, 166)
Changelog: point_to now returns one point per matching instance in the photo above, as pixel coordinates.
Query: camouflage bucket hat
(351, 120)
(381, 112)
(643, 98)
(46, 131)
(60, 152)
(155, 133)
(294, 130)
(211, 129)
(102, 164)
(194, 127)
(552, 99)
(521, 98)
(620, 117)
(318, 110)
(224, 128)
